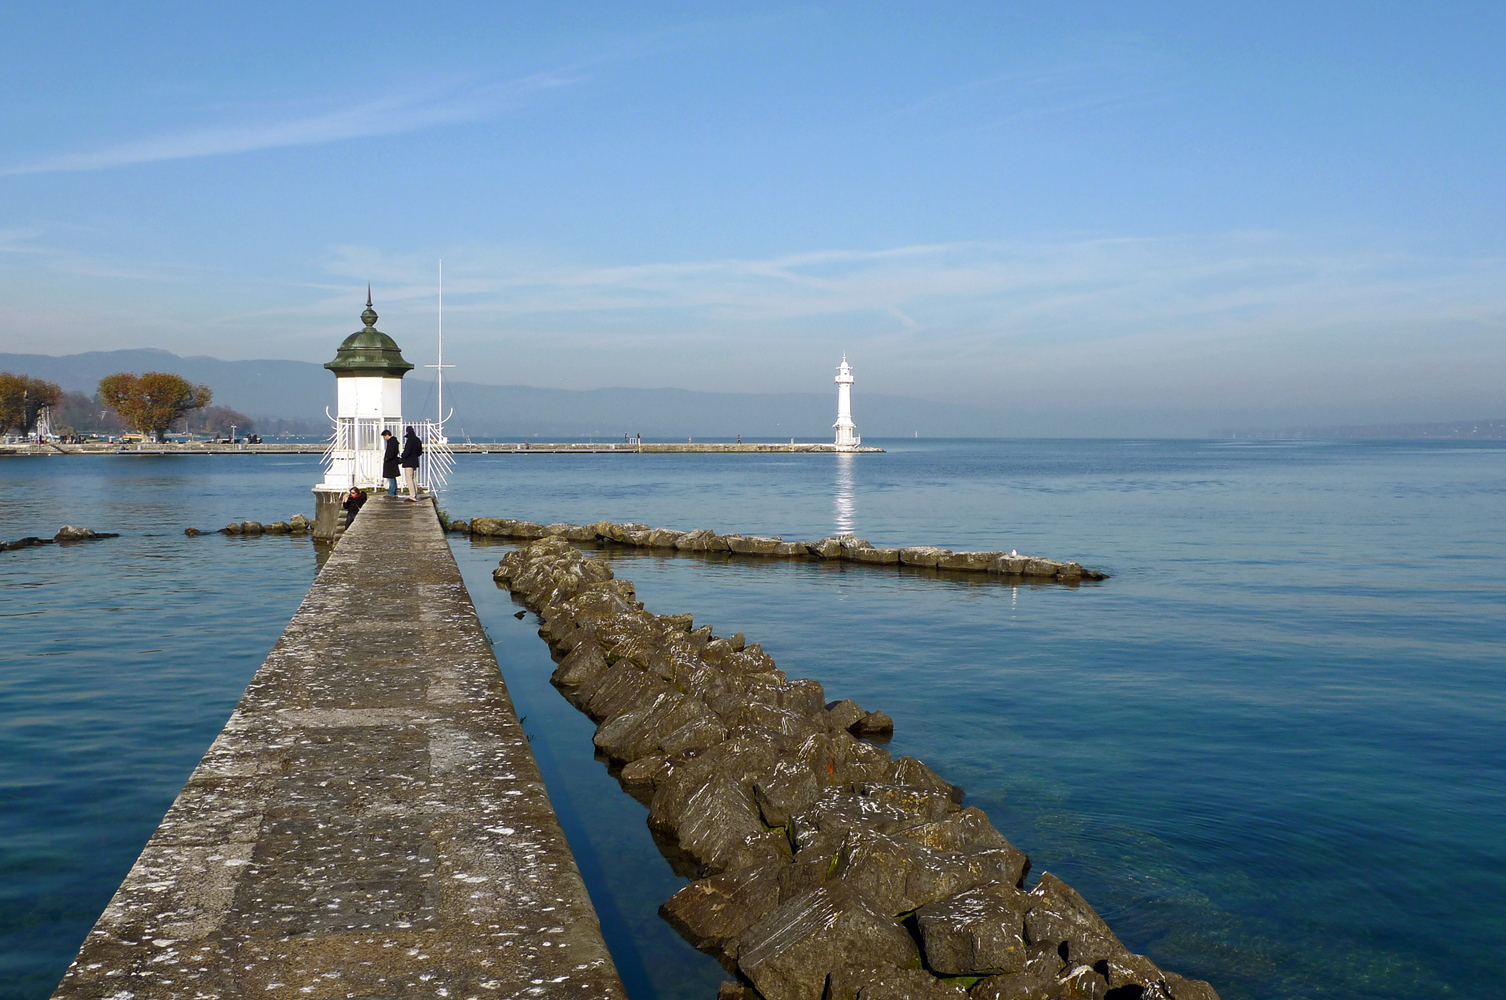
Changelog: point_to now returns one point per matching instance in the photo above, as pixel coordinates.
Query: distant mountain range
(300, 390)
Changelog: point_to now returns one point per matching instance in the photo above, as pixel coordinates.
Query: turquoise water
(1270, 749)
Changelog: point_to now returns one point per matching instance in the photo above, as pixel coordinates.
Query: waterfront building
(847, 431)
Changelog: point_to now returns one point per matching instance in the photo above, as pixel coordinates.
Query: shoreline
(458, 448)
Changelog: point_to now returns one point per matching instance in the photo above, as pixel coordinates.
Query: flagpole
(439, 368)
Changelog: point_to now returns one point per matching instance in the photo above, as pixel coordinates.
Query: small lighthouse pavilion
(369, 369)
(847, 432)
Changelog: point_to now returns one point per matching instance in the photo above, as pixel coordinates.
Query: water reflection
(844, 504)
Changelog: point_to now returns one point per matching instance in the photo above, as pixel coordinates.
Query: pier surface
(370, 823)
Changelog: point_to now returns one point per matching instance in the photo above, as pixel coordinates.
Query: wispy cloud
(1094, 77)
(14, 239)
(423, 107)
(1072, 291)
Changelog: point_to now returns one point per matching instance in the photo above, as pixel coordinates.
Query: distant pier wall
(460, 448)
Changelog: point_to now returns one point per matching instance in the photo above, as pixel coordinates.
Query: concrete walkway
(370, 823)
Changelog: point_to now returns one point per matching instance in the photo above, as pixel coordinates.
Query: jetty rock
(820, 866)
(68, 533)
(25, 543)
(847, 548)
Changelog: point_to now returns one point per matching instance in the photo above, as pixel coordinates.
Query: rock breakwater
(822, 867)
(846, 548)
(67, 533)
(295, 525)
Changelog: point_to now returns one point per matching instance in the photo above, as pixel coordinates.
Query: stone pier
(370, 823)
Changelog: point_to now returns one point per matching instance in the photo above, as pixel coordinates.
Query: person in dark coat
(412, 449)
(352, 503)
(389, 463)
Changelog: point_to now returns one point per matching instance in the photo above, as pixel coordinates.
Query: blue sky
(1115, 218)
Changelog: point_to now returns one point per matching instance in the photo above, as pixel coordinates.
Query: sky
(1117, 218)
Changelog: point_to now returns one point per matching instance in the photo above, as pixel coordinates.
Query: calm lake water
(1271, 749)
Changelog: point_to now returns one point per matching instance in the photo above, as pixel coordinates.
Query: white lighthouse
(369, 370)
(847, 431)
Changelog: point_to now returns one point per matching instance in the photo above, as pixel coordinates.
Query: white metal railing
(355, 452)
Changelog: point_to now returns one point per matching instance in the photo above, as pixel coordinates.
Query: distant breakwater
(844, 548)
(458, 447)
(822, 867)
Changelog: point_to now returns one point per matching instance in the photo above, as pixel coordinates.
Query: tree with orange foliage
(150, 402)
(22, 400)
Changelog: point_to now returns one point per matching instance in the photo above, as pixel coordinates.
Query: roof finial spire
(369, 316)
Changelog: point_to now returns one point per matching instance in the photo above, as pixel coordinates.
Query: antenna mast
(439, 368)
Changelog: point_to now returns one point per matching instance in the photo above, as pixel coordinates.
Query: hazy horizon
(1093, 220)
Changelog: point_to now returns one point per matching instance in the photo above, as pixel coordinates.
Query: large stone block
(826, 548)
(902, 875)
(979, 932)
(961, 832)
(789, 954)
(643, 728)
(1036, 979)
(699, 540)
(754, 545)
(664, 538)
(619, 689)
(582, 666)
(852, 982)
(1041, 567)
(713, 913)
(1057, 914)
(968, 562)
(844, 714)
(871, 555)
(922, 555)
(788, 788)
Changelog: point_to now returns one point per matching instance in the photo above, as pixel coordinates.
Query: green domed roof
(369, 351)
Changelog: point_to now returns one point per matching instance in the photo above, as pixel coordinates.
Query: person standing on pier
(412, 449)
(389, 462)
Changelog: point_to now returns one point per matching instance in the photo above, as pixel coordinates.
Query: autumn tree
(22, 400)
(150, 402)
